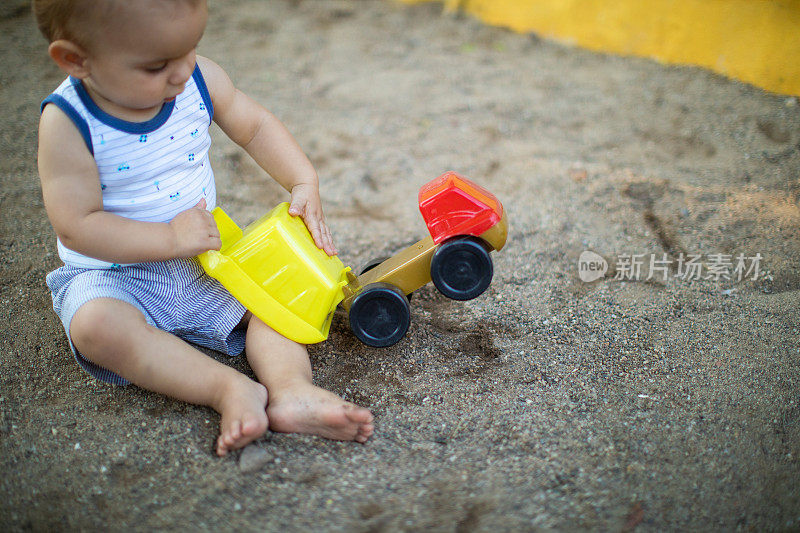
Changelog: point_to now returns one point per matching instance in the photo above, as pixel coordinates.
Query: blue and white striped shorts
(175, 296)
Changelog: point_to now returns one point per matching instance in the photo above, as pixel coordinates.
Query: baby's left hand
(307, 204)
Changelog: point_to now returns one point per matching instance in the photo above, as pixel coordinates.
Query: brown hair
(73, 19)
(62, 19)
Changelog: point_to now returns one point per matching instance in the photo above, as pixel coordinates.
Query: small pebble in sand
(253, 459)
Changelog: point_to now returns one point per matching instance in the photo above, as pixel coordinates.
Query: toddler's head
(132, 54)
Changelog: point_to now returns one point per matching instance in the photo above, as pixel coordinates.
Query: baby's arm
(74, 204)
(271, 145)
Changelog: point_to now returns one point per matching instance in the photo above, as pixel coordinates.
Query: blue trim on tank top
(123, 125)
(201, 86)
(80, 123)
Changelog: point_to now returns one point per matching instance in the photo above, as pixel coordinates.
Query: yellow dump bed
(277, 272)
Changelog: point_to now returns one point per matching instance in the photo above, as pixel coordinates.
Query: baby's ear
(70, 57)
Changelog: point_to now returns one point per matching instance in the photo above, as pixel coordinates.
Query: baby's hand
(307, 204)
(195, 231)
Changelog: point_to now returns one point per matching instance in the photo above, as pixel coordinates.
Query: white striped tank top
(149, 171)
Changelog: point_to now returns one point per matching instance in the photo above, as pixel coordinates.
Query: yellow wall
(757, 41)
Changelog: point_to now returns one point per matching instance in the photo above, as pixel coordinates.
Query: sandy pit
(546, 403)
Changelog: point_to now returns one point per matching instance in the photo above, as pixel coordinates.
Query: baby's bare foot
(243, 416)
(306, 408)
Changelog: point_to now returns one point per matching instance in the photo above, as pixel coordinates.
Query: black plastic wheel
(461, 268)
(380, 315)
(372, 263)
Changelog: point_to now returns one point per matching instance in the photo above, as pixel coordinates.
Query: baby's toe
(367, 429)
(228, 437)
(222, 450)
(359, 415)
(235, 432)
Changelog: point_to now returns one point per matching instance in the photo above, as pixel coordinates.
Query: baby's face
(144, 56)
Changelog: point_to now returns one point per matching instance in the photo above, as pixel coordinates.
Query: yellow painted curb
(757, 41)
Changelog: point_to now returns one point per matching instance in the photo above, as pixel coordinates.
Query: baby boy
(127, 186)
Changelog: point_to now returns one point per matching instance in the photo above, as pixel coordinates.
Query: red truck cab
(452, 205)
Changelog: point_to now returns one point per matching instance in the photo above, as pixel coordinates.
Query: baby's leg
(115, 335)
(296, 405)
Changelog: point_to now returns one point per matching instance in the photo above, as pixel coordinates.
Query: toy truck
(274, 268)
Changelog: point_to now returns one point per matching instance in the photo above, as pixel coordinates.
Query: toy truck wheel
(380, 315)
(372, 263)
(461, 268)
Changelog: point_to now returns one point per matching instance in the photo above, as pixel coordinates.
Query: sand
(546, 403)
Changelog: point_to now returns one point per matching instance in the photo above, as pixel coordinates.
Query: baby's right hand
(195, 231)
